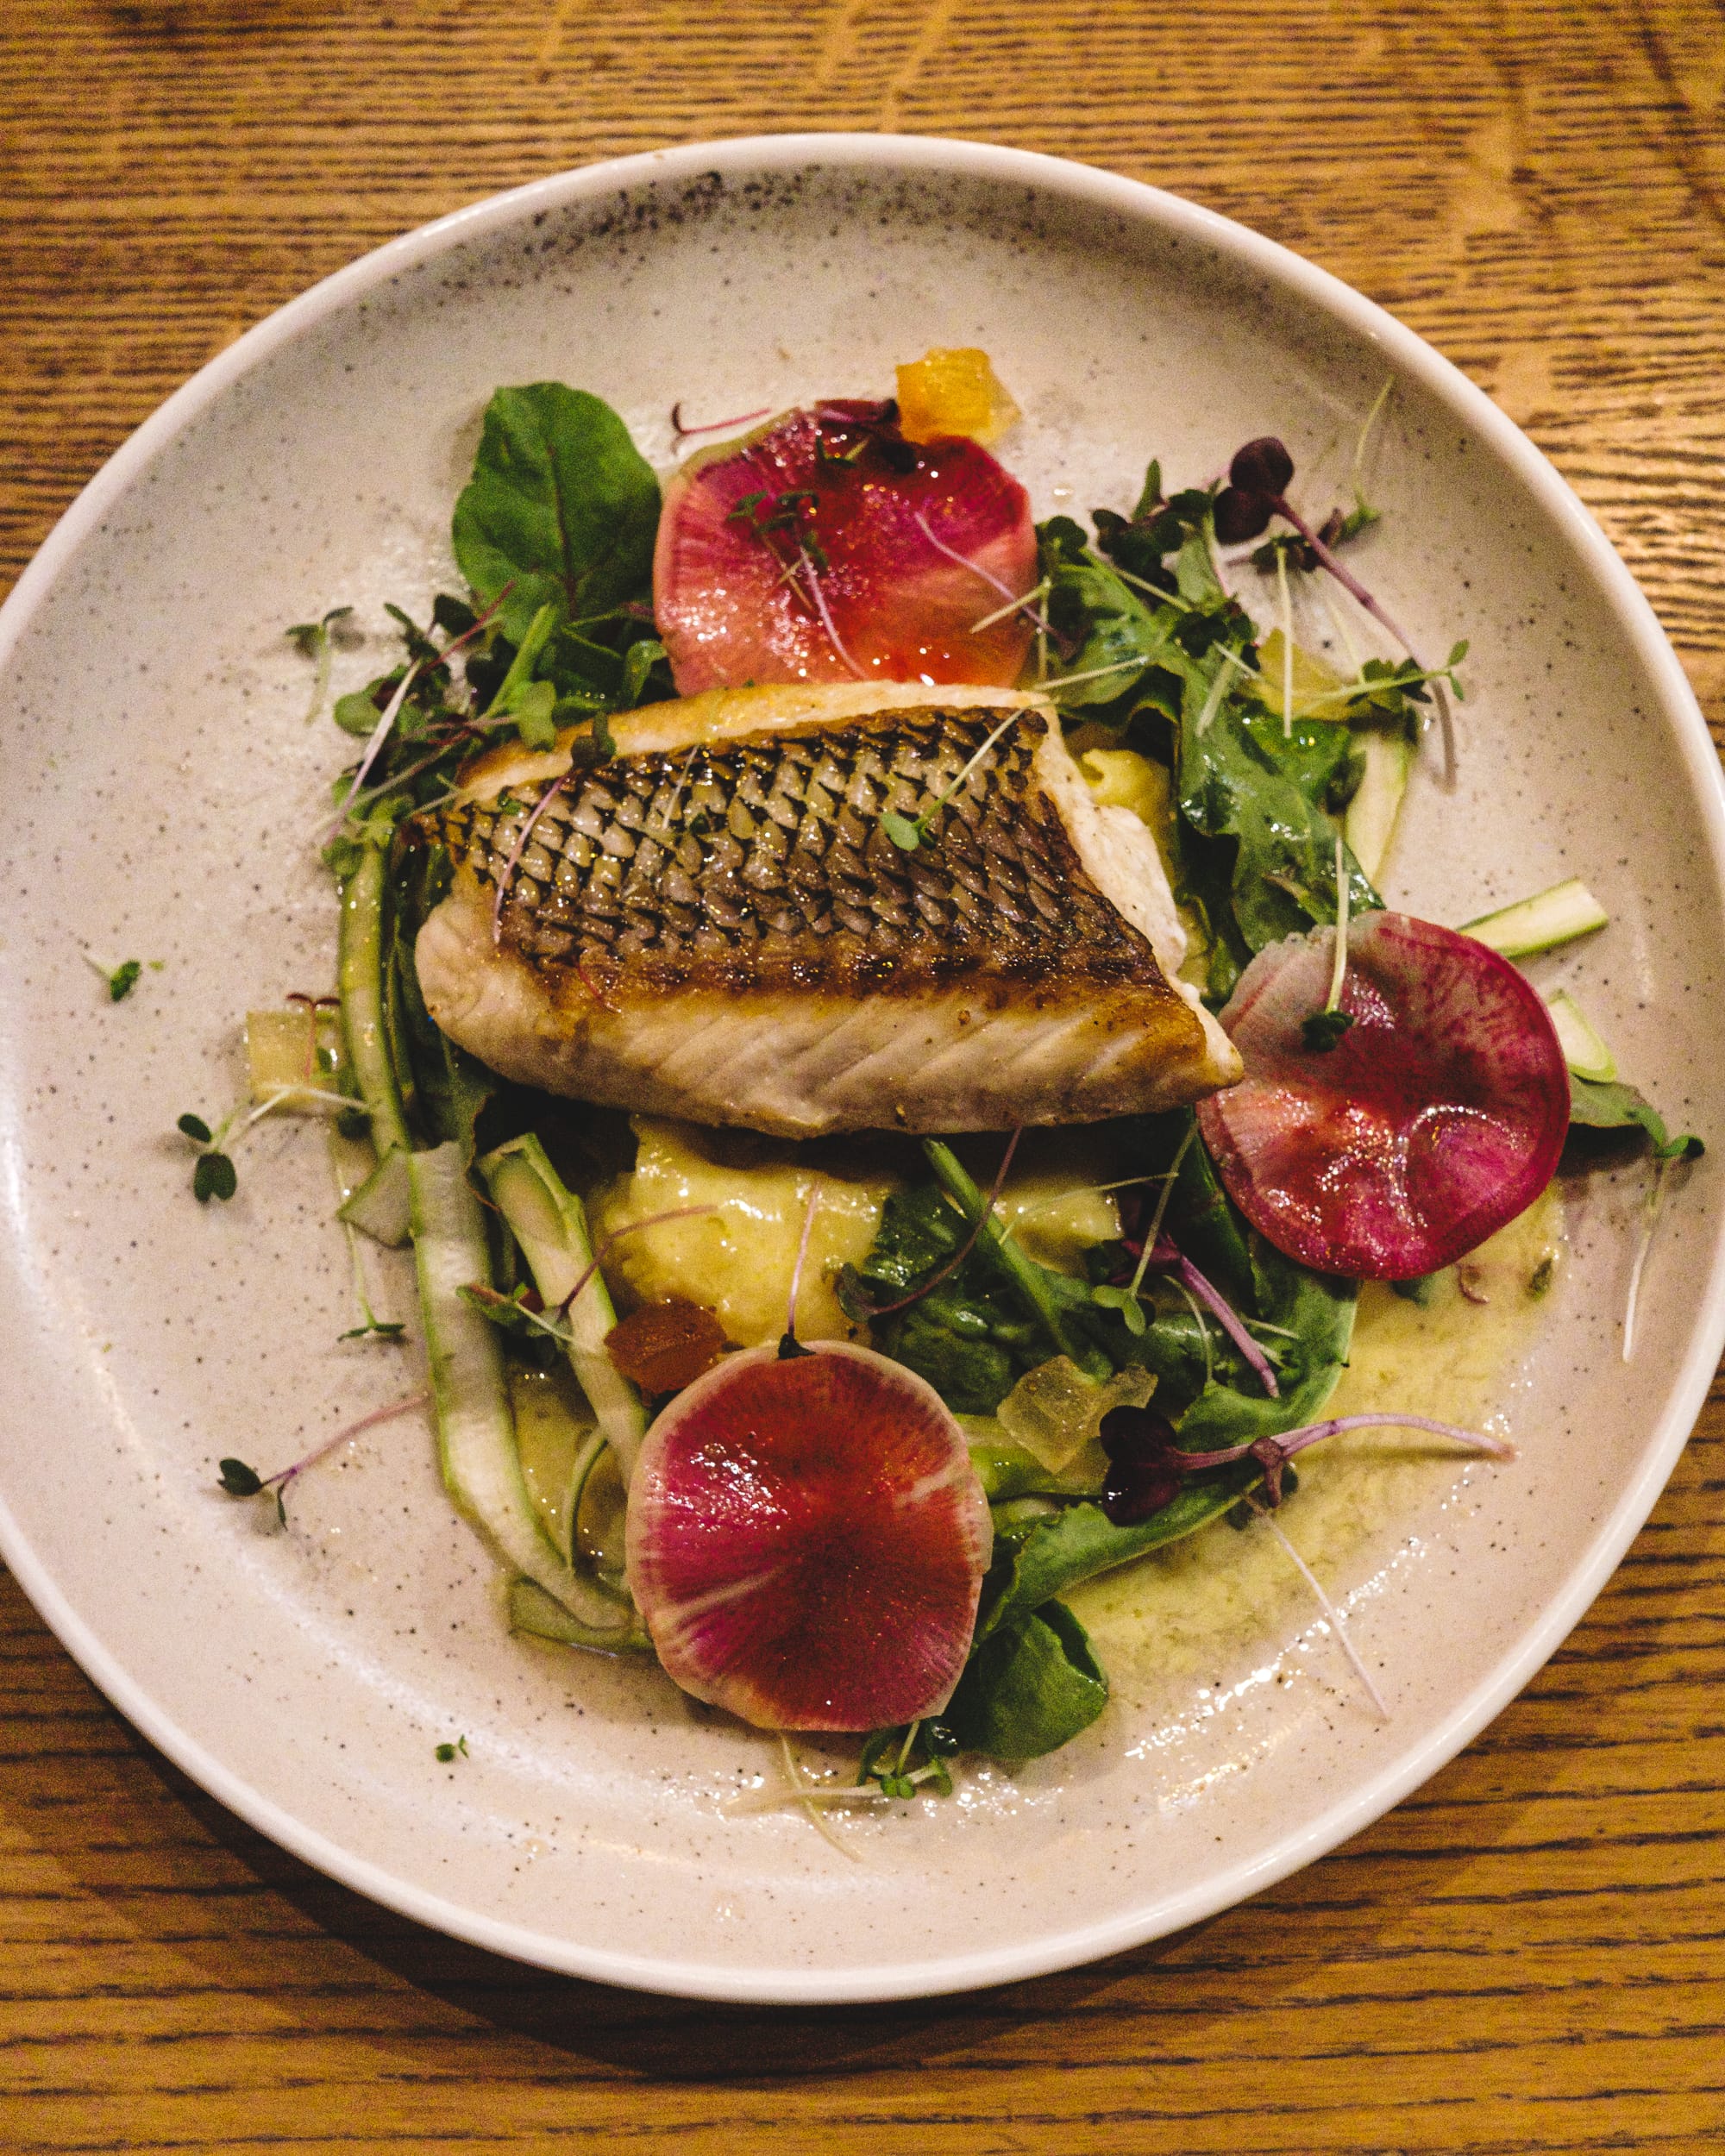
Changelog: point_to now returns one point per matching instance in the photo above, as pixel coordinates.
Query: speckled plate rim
(1325, 295)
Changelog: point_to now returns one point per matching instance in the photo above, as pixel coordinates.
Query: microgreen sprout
(809, 1799)
(241, 1481)
(1679, 1149)
(902, 1765)
(520, 1311)
(789, 1346)
(506, 874)
(907, 832)
(682, 431)
(1274, 1453)
(1324, 1029)
(446, 1753)
(1258, 479)
(856, 1305)
(313, 640)
(1024, 603)
(611, 1242)
(121, 980)
(213, 1174)
(1331, 1612)
(373, 748)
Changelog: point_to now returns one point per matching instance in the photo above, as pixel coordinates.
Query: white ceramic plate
(163, 786)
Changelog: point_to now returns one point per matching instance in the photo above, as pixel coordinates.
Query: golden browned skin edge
(716, 924)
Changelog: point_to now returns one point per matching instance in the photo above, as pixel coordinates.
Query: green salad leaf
(1029, 1687)
(561, 509)
(1598, 1106)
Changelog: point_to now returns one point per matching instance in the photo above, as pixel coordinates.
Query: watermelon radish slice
(1438, 1115)
(826, 547)
(806, 1540)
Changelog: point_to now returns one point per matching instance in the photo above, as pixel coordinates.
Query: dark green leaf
(904, 831)
(533, 707)
(638, 661)
(194, 1127)
(239, 1480)
(561, 505)
(1616, 1106)
(123, 980)
(213, 1177)
(1324, 1029)
(1031, 1687)
(359, 711)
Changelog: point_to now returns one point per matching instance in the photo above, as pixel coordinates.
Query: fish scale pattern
(765, 856)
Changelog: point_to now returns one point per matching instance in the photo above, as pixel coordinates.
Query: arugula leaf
(1031, 1687)
(1116, 638)
(1258, 807)
(1598, 1106)
(561, 508)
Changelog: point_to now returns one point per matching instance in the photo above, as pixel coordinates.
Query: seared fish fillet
(716, 925)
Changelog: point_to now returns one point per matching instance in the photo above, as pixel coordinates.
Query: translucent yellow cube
(954, 392)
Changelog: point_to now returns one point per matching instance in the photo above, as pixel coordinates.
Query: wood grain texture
(1527, 1956)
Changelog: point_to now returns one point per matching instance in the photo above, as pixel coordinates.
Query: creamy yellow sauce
(739, 1256)
(1454, 1360)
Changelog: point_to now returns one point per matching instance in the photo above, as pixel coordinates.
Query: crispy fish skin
(715, 924)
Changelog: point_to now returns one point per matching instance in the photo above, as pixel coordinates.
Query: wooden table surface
(1529, 1955)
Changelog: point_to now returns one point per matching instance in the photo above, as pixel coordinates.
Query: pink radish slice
(807, 1539)
(735, 603)
(1438, 1115)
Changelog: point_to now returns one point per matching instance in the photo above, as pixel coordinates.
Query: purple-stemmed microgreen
(908, 832)
(1331, 1612)
(373, 748)
(790, 515)
(506, 874)
(1324, 1028)
(1258, 479)
(683, 432)
(1273, 1454)
(812, 579)
(611, 1242)
(1024, 603)
(241, 1481)
(789, 1346)
(856, 1305)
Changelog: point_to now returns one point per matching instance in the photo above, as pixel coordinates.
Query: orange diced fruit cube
(954, 392)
